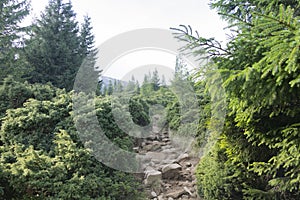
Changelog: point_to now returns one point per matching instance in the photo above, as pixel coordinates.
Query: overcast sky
(113, 17)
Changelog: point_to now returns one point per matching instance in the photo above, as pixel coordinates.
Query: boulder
(171, 171)
(153, 194)
(166, 140)
(156, 155)
(160, 197)
(176, 194)
(152, 146)
(184, 197)
(188, 164)
(135, 149)
(153, 177)
(183, 157)
(168, 161)
(188, 191)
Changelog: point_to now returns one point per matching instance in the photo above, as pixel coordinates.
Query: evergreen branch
(278, 20)
(236, 18)
(211, 45)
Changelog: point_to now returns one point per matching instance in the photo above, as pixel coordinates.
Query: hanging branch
(197, 44)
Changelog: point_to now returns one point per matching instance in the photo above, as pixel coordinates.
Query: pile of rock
(169, 173)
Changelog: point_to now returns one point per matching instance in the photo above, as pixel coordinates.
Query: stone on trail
(156, 155)
(183, 157)
(135, 149)
(154, 146)
(153, 194)
(188, 164)
(153, 177)
(188, 191)
(171, 171)
(168, 161)
(160, 197)
(176, 194)
(168, 170)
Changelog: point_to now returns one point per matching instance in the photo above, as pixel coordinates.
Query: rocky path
(169, 172)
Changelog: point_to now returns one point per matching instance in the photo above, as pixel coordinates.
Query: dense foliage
(42, 156)
(257, 154)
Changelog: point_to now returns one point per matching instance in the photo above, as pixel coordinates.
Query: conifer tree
(110, 88)
(55, 49)
(257, 153)
(155, 80)
(163, 80)
(87, 39)
(147, 86)
(12, 12)
(130, 87)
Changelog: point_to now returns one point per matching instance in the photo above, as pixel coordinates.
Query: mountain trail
(168, 171)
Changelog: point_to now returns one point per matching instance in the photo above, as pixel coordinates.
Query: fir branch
(278, 20)
(236, 18)
(211, 46)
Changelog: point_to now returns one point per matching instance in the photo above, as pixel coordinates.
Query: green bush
(42, 156)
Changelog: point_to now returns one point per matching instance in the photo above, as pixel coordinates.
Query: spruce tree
(130, 85)
(257, 153)
(147, 86)
(12, 12)
(55, 48)
(110, 88)
(155, 80)
(87, 39)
